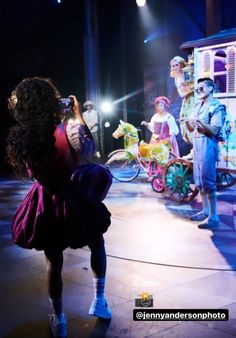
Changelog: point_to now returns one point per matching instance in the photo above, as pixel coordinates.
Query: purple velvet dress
(162, 129)
(52, 215)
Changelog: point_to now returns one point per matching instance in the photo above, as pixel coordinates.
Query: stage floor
(152, 246)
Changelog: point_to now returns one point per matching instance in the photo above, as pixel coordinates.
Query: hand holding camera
(76, 106)
(70, 107)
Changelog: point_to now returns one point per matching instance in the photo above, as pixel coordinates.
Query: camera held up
(66, 105)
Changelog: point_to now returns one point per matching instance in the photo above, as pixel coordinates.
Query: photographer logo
(144, 300)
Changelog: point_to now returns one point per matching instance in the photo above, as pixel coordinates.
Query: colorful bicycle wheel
(225, 180)
(178, 180)
(157, 184)
(123, 165)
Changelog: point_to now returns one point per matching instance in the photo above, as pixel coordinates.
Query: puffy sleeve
(217, 115)
(151, 124)
(173, 128)
(80, 138)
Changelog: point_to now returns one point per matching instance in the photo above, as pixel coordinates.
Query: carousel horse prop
(158, 152)
(131, 140)
(130, 133)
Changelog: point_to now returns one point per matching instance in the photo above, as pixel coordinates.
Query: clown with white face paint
(205, 123)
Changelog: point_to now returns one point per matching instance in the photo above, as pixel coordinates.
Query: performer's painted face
(175, 67)
(160, 107)
(203, 90)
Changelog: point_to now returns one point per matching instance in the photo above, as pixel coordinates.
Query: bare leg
(99, 306)
(213, 206)
(57, 320)
(205, 202)
(203, 214)
(98, 258)
(54, 261)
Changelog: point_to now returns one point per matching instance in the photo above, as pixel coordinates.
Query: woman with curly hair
(52, 217)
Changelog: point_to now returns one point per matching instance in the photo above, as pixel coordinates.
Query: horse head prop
(129, 132)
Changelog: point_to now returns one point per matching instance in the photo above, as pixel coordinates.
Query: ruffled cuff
(80, 138)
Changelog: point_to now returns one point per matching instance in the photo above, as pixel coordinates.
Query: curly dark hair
(36, 110)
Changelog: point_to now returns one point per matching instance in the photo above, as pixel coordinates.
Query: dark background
(46, 38)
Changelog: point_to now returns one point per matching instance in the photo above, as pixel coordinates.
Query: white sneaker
(100, 308)
(58, 325)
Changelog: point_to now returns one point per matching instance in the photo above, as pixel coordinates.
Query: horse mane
(129, 132)
(131, 137)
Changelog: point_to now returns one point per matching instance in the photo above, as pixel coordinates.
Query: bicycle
(169, 174)
(126, 164)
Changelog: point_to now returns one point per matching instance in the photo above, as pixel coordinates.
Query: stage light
(141, 3)
(128, 96)
(107, 107)
(107, 124)
(160, 33)
(59, 1)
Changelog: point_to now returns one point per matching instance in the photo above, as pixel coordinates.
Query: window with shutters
(218, 63)
(207, 65)
(220, 72)
(231, 70)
